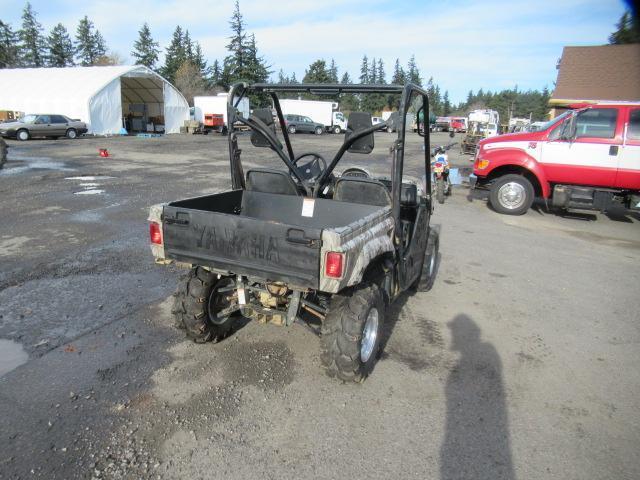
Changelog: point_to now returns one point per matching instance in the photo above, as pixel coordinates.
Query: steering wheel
(313, 168)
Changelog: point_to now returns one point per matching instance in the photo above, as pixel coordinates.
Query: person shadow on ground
(476, 444)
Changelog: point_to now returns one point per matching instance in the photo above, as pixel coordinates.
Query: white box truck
(325, 113)
(207, 110)
(488, 121)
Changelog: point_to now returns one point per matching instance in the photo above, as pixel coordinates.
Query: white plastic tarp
(90, 94)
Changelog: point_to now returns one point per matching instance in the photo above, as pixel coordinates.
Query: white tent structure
(102, 97)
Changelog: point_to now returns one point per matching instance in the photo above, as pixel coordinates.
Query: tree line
(30, 47)
(186, 67)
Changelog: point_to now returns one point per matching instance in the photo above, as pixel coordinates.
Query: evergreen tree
(145, 49)
(187, 45)
(382, 77)
(9, 53)
(348, 101)
(333, 71)
(399, 77)
(317, 73)
(32, 44)
(89, 44)
(100, 45)
(197, 58)
(60, 47)
(413, 73)
(364, 70)
(373, 71)
(235, 64)
(627, 30)
(175, 55)
(446, 104)
(216, 74)
(257, 66)
(282, 78)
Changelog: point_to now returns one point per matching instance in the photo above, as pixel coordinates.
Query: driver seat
(267, 180)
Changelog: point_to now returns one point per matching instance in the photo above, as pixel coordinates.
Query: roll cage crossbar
(239, 90)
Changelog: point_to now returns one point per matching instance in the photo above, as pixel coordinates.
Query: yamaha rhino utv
(303, 243)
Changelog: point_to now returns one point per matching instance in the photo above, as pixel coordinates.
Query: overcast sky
(489, 44)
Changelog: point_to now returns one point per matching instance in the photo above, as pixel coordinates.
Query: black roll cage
(239, 90)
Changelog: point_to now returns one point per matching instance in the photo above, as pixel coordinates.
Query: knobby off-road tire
(440, 190)
(196, 302)
(425, 281)
(3, 152)
(344, 331)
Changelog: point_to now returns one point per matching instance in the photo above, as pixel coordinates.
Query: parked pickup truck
(587, 158)
(303, 244)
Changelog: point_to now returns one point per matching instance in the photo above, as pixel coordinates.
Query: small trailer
(211, 111)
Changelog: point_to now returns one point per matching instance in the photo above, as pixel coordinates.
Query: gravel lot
(522, 362)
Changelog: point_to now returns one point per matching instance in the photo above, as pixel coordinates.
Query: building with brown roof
(592, 74)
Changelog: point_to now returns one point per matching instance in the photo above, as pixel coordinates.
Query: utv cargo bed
(264, 235)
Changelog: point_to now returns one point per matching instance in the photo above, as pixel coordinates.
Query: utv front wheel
(351, 333)
(440, 190)
(197, 303)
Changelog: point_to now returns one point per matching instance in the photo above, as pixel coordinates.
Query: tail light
(155, 232)
(333, 264)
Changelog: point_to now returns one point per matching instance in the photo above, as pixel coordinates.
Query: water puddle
(34, 164)
(90, 192)
(458, 176)
(12, 355)
(89, 178)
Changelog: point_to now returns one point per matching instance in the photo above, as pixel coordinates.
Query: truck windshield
(548, 124)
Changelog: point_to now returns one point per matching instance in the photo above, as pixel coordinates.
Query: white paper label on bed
(307, 207)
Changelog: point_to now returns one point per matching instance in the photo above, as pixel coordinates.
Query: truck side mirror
(569, 129)
(420, 121)
(359, 121)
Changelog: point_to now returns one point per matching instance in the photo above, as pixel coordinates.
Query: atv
(304, 244)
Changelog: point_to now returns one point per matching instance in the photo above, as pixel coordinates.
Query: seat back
(362, 190)
(267, 180)
(409, 195)
(357, 122)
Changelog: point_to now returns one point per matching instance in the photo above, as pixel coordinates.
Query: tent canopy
(95, 95)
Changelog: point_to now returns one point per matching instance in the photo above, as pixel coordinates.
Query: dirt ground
(522, 362)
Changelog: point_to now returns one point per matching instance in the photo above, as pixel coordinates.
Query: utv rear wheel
(197, 302)
(351, 333)
(430, 263)
(511, 195)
